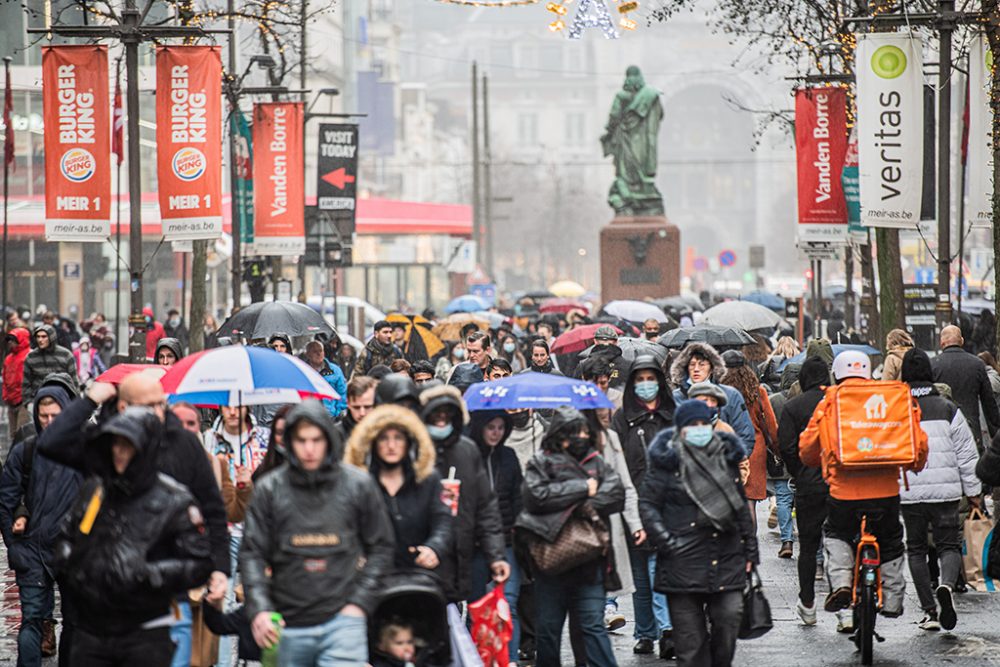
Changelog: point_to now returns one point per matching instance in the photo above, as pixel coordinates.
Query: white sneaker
(613, 619)
(929, 623)
(845, 621)
(807, 614)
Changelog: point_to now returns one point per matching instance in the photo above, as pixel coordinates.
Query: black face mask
(578, 447)
(520, 419)
(389, 467)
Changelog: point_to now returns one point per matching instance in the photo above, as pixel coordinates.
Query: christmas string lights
(592, 14)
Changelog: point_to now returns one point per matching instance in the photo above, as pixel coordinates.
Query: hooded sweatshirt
(13, 366)
(502, 467)
(637, 425)
(41, 362)
(171, 344)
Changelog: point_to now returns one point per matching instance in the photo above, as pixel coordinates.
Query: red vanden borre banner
(278, 179)
(820, 147)
(77, 143)
(189, 141)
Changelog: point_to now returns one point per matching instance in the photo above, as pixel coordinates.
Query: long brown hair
(745, 381)
(989, 360)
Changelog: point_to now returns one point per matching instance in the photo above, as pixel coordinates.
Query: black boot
(667, 645)
(643, 646)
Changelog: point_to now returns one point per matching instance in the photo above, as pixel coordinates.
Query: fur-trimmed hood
(364, 435)
(436, 397)
(679, 372)
(662, 453)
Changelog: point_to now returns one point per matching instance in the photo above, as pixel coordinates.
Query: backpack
(871, 424)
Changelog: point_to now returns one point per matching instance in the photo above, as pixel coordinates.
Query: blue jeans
(553, 599)
(37, 604)
(784, 498)
(340, 642)
(511, 589)
(227, 645)
(652, 616)
(180, 635)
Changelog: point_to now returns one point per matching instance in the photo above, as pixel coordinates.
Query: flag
(8, 137)
(118, 123)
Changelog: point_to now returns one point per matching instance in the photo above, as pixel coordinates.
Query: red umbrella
(561, 306)
(579, 339)
(119, 372)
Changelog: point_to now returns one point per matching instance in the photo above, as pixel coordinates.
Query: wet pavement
(974, 643)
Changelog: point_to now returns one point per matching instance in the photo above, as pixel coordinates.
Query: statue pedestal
(640, 258)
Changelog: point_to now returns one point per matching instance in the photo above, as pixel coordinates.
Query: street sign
(819, 250)
(791, 308)
(919, 302)
(756, 257)
(700, 264)
(462, 258)
(71, 270)
(337, 169)
(727, 258)
(485, 291)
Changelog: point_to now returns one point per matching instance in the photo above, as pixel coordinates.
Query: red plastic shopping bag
(492, 627)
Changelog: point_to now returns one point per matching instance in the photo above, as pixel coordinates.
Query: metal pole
(235, 201)
(6, 191)
(118, 261)
(475, 162)
(303, 58)
(943, 309)
(130, 38)
(487, 170)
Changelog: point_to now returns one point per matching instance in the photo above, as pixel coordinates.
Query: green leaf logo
(888, 61)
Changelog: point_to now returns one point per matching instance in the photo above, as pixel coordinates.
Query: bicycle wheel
(866, 618)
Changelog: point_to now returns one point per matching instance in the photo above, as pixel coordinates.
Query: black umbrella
(261, 320)
(680, 303)
(635, 347)
(704, 333)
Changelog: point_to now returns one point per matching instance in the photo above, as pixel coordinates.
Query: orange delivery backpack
(871, 424)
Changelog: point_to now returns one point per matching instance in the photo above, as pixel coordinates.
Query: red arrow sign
(338, 178)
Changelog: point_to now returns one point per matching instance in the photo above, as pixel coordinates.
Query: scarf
(709, 483)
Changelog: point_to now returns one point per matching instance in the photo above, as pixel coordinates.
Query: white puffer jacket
(950, 472)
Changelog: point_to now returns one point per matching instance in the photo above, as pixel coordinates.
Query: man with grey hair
(970, 385)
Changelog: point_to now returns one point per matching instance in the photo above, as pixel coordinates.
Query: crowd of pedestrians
(180, 535)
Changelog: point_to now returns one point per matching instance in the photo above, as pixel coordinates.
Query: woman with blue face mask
(696, 516)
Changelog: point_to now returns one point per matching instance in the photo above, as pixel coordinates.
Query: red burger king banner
(820, 148)
(189, 141)
(278, 179)
(77, 143)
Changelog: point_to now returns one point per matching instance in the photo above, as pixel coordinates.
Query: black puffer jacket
(635, 425)
(612, 354)
(41, 362)
(478, 524)
(694, 556)
(419, 516)
(180, 456)
(147, 543)
(794, 418)
(314, 530)
(502, 467)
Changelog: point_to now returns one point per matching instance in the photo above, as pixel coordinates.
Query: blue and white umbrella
(535, 390)
(240, 375)
(467, 303)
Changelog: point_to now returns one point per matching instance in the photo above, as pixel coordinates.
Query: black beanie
(917, 366)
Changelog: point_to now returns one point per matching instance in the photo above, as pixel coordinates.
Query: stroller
(415, 598)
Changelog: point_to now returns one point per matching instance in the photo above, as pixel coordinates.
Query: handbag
(775, 466)
(582, 539)
(756, 621)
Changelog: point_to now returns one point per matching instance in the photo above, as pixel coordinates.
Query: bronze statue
(631, 136)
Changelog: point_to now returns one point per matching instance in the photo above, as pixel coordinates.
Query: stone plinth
(640, 258)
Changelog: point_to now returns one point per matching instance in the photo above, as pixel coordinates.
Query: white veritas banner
(890, 129)
(979, 174)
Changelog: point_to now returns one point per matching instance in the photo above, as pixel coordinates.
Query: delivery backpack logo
(876, 407)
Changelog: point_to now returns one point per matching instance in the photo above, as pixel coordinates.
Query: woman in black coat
(565, 478)
(696, 515)
(392, 443)
(490, 429)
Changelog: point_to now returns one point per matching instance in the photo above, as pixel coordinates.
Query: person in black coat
(811, 491)
(647, 409)
(696, 514)
(133, 541)
(477, 524)
(970, 385)
(392, 444)
(567, 480)
(489, 429)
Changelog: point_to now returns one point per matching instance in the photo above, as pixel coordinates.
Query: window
(575, 129)
(527, 129)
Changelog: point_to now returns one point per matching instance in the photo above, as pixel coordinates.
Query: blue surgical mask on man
(698, 436)
(647, 390)
(440, 432)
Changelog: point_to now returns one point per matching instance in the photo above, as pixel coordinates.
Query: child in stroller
(410, 625)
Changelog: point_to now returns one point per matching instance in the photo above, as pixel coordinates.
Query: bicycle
(866, 598)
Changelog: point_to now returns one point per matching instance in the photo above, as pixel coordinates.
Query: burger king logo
(77, 165)
(189, 163)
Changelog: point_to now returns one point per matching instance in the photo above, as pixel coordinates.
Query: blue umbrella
(467, 303)
(837, 349)
(535, 390)
(766, 299)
